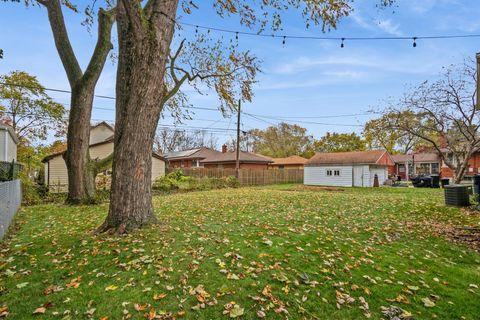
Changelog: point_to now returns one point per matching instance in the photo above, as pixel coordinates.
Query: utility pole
(237, 163)
(477, 106)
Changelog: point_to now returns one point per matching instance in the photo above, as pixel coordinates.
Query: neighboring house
(292, 162)
(8, 143)
(209, 158)
(101, 146)
(417, 163)
(473, 166)
(348, 169)
(189, 158)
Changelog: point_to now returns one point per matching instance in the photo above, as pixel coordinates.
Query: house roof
(103, 123)
(109, 140)
(292, 160)
(197, 153)
(343, 158)
(11, 131)
(419, 157)
(230, 156)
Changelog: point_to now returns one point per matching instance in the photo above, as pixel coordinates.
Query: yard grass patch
(272, 252)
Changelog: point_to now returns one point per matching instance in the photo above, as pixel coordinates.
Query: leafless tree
(443, 113)
(168, 140)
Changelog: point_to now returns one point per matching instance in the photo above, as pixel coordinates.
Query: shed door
(358, 176)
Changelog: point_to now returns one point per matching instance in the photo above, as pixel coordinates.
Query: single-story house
(227, 160)
(101, 146)
(8, 143)
(416, 163)
(209, 158)
(292, 162)
(348, 169)
(189, 158)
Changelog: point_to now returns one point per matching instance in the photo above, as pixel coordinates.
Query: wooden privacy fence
(247, 177)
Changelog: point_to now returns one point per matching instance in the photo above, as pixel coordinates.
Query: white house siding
(317, 176)
(358, 175)
(158, 168)
(56, 173)
(57, 178)
(101, 151)
(3, 145)
(100, 133)
(8, 147)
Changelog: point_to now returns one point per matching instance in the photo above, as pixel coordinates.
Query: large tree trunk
(81, 184)
(142, 61)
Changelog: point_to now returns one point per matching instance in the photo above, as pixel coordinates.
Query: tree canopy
(340, 142)
(282, 140)
(26, 106)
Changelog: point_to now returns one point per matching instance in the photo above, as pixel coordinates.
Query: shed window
(329, 173)
(337, 173)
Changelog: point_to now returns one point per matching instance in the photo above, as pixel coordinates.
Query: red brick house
(189, 158)
(473, 167)
(209, 158)
(417, 163)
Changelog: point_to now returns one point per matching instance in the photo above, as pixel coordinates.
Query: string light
(284, 40)
(236, 36)
(342, 45)
(414, 42)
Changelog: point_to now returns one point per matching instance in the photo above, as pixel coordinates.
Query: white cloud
(389, 27)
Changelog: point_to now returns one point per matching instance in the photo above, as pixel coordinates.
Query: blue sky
(304, 78)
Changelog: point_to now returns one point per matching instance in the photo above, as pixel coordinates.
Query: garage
(348, 169)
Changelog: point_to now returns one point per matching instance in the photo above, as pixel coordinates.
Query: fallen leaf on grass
(111, 288)
(428, 303)
(40, 310)
(159, 296)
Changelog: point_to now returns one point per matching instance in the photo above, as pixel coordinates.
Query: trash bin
(457, 195)
(445, 182)
(476, 184)
(436, 180)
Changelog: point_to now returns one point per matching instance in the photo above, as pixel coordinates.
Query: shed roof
(292, 160)
(344, 158)
(11, 131)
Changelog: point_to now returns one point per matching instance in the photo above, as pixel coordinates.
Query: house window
(329, 173)
(182, 163)
(336, 173)
(196, 163)
(435, 169)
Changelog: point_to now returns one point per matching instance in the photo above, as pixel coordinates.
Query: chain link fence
(10, 200)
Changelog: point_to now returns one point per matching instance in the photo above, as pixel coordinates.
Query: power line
(255, 116)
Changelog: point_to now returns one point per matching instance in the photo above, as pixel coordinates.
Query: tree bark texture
(144, 37)
(81, 185)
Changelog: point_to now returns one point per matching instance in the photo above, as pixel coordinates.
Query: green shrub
(30, 194)
(176, 180)
(232, 182)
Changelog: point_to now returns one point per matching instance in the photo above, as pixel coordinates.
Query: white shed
(348, 169)
(8, 143)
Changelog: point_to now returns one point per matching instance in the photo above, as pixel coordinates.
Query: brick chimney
(224, 148)
(443, 141)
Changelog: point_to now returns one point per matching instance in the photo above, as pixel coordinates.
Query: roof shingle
(355, 157)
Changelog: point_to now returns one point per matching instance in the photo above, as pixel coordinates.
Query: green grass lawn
(271, 252)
